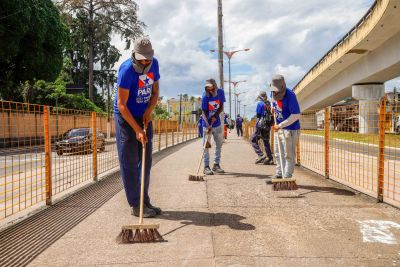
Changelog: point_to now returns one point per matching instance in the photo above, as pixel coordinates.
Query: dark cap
(277, 83)
(143, 49)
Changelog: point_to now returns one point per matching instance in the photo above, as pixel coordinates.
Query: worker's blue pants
(130, 159)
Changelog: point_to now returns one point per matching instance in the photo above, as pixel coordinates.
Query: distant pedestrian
(287, 112)
(262, 129)
(136, 98)
(212, 105)
(200, 127)
(226, 125)
(239, 124)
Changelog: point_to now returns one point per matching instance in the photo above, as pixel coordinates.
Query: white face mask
(140, 68)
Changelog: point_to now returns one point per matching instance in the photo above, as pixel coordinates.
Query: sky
(284, 36)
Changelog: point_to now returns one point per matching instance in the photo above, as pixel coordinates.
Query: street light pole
(229, 54)
(244, 111)
(180, 109)
(235, 83)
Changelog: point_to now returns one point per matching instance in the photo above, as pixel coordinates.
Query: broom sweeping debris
(283, 183)
(196, 176)
(139, 233)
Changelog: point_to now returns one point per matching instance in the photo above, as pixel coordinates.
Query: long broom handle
(204, 150)
(279, 148)
(142, 180)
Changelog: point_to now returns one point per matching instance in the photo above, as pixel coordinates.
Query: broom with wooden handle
(196, 176)
(140, 233)
(282, 183)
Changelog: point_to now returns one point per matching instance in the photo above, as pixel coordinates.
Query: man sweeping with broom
(287, 130)
(136, 97)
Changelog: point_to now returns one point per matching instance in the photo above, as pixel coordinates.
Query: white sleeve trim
(289, 121)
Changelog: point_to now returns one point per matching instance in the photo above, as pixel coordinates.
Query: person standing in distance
(137, 94)
(262, 129)
(287, 112)
(239, 124)
(212, 105)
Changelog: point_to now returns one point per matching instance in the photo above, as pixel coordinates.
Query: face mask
(280, 94)
(140, 68)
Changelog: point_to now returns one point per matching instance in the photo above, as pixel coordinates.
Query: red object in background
(225, 131)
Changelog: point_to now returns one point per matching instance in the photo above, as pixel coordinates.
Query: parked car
(79, 140)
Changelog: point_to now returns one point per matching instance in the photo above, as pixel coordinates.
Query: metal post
(159, 134)
(173, 134)
(180, 109)
(94, 145)
(381, 152)
(230, 103)
(220, 46)
(166, 134)
(326, 142)
(47, 150)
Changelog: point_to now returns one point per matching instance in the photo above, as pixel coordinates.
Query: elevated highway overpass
(359, 64)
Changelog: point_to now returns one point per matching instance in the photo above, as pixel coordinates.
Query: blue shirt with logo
(287, 106)
(261, 108)
(212, 104)
(140, 86)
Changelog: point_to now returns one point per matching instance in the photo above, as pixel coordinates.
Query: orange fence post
(173, 133)
(326, 142)
(159, 134)
(177, 132)
(381, 153)
(166, 133)
(94, 145)
(47, 149)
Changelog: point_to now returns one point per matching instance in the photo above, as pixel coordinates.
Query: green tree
(32, 43)
(119, 16)
(159, 113)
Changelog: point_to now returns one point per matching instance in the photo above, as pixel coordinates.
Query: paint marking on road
(377, 231)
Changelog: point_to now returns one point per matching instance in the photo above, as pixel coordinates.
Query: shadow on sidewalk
(319, 189)
(209, 219)
(250, 175)
(323, 189)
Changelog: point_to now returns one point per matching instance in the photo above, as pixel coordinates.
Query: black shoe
(259, 160)
(207, 170)
(156, 209)
(269, 161)
(277, 177)
(147, 213)
(216, 168)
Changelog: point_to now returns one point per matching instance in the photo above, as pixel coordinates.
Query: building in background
(188, 106)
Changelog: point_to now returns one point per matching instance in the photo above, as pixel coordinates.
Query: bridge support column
(308, 120)
(368, 96)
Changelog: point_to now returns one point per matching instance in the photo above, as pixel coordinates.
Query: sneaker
(156, 209)
(259, 160)
(216, 168)
(269, 161)
(207, 171)
(278, 176)
(147, 213)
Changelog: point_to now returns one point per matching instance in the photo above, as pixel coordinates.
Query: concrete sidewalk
(236, 219)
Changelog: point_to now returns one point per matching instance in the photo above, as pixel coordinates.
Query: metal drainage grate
(21, 243)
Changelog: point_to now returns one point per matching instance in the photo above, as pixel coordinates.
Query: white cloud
(284, 36)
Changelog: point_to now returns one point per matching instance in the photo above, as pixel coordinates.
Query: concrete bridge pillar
(368, 96)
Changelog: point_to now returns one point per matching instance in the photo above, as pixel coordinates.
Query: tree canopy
(32, 42)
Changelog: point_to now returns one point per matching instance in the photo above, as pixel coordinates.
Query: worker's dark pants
(239, 130)
(257, 135)
(200, 128)
(130, 159)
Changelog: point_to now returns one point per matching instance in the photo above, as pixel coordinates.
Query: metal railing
(46, 152)
(356, 145)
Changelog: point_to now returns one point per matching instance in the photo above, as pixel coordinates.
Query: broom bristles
(284, 184)
(193, 177)
(144, 235)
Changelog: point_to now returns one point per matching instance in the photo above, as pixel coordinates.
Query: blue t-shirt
(140, 86)
(212, 104)
(287, 106)
(261, 108)
(239, 121)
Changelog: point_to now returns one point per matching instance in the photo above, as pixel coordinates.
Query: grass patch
(391, 140)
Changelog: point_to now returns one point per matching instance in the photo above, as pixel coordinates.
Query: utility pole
(244, 111)
(220, 47)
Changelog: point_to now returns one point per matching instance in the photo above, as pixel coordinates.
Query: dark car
(79, 140)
